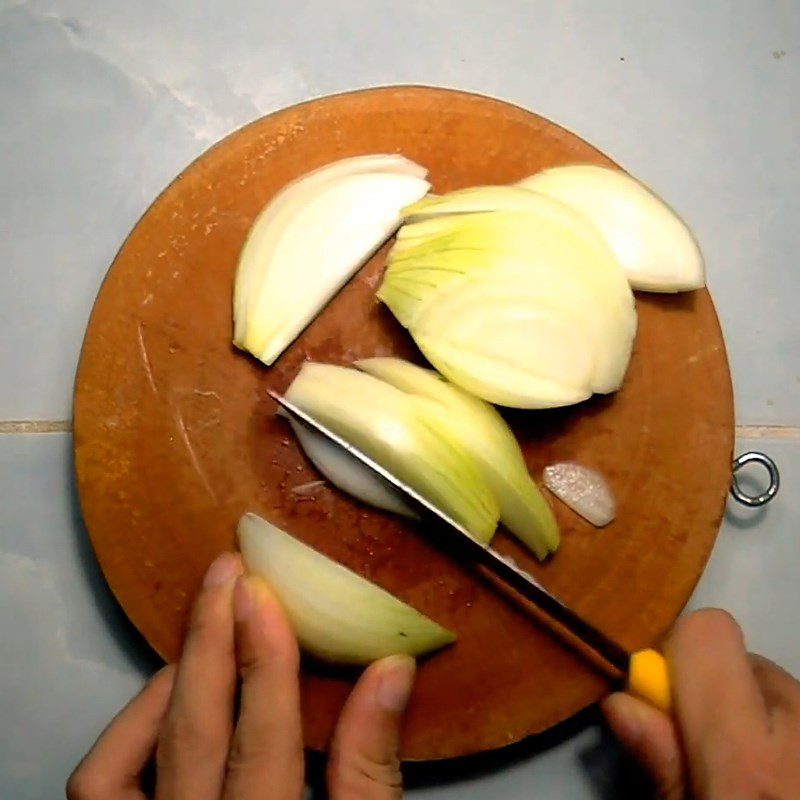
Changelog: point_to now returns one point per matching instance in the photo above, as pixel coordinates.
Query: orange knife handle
(648, 678)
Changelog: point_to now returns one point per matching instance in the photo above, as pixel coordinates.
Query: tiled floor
(104, 102)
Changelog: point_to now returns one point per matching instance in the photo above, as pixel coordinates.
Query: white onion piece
(584, 490)
(269, 223)
(652, 243)
(336, 614)
(297, 257)
(349, 475)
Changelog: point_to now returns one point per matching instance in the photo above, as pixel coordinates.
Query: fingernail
(396, 682)
(222, 570)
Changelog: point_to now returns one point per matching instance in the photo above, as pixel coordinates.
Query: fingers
(111, 769)
(194, 741)
(780, 690)
(364, 764)
(650, 737)
(266, 759)
(716, 694)
(718, 702)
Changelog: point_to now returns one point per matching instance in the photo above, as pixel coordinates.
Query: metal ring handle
(774, 479)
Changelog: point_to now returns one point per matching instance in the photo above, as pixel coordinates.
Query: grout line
(768, 432)
(35, 426)
(65, 426)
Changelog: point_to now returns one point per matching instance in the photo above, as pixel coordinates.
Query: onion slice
(527, 308)
(405, 435)
(584, 490)
(651, 242)
(310, 240)
(336, 614)
(487, 437)
(268, 224)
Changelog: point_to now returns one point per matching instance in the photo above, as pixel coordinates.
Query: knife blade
(650, 685)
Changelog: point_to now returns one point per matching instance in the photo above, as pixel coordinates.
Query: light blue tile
(68, 657)
(110, 100)
(84, 148)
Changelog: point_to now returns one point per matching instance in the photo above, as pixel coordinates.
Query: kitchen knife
(646, 670)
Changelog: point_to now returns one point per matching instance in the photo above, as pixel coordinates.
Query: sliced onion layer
(336, 614)
(651, 242)
(310, 239)
(522, 307)
(487, 437)
(404, 434)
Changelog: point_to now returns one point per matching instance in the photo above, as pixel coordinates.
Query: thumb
(364, 764)
(650, 737)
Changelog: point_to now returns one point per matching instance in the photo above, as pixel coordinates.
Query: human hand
(735, 734)
(185, 715)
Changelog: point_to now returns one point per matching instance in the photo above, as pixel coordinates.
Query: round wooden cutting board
(175, 436)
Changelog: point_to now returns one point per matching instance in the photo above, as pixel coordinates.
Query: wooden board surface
(175, 436)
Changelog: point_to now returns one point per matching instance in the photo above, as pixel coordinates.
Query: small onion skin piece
(584, 490)
(337, 615)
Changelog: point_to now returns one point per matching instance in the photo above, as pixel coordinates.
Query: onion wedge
(336, 614)
(651, 242)
(487, 437)
(524, 308)
(310, 240)
(404, 434)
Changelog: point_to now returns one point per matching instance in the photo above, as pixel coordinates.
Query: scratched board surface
(175, 436)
